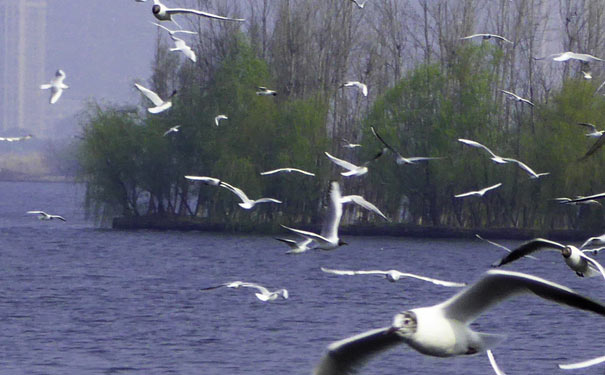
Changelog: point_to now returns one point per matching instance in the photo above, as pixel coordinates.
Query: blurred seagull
(594, 133)
(583, 364)
(359, 5)
(263, 91)
(218, 118)
(287, 170)
(160, 105)
(246, 202)
(353, 170)
(56, 86)
(492, 361)
(180, 44)
(44, 216)
(575, 259)
(443, 330)
(478, 193)
(586, 75)
(565, 200)
(517, 98)
(400, 159)
(173, 129)
(163, 13)
(264, 295)
(296, 247)
(564, 56)
(347, 144)
(394, 275)
(362, 86)
(586, 198)
(487, 36)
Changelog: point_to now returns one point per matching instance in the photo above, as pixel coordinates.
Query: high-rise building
(22, 55)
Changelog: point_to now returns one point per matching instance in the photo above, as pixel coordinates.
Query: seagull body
(393, 275)
(173, 129)
(400, 159)
(296, 247)
(443, 330)
(163, 13)
(517, 98)
(263, 91)
(353, 170)
(160, 105)
(478, 193)
(594, 133)
(246, 202)
(179, 43)
(44, 216)
(564, 56)
(487, 36)
(287, 170)
(263, 295)
(56, 86)
(575, 259)
(362, 86)
(218, 118)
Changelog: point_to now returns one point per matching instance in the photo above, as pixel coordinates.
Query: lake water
(75, 299)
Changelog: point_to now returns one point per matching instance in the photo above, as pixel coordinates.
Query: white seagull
(362, 86)
(173, 129)
(180, 44)
(160, 105)
(347, 144)
(264, 295)
(564, 56)
(163, 13)
(44, 216)
(583, 364)
(218, 118)
(443, 330)
(586, 75)
(353, 170)
(516, 97)
(263, 91)
(296, 247)
(287, 170)
(56, 86)
(575, 259)
(487, 36)
(478, 193)
(400, 159)
(246, 202)
(492, 362)
(594, 133)
(328, 239)
(394, 275)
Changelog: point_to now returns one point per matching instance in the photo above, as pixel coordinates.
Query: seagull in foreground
(501, 246)
(347, 144)
(513, 96)
(246, 202)
(160, 105)
(287, 170)
(180, 44)
(163, 13)
(44, 216)
(394, 275)
(328, 239)
(492, 362)
(173, 129)
(478, 193)
(56, 86)
(575, 259)
(296, 247)
(264, 295)
(263, 91)
(443, 330)
(564, 56)
(487, 36)
(353, 170)
(218, 118)
(359, 5)
(594, 133)
(583, 364)
(362, 86)
(400, 159)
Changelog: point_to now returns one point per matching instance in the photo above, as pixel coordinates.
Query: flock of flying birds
(441, 330)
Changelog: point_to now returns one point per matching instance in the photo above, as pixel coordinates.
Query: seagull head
(156, 9)
(566, 252)
(404, 324)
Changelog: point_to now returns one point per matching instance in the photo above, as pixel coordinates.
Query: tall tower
(22, 55)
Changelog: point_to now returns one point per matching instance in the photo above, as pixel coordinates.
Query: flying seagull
(352, 169)
(586, 75)
(594, 133)
(44, 216)
(516, 97)
(487, 36)
(56, 86)
(575, 259)
(163, 13)
(296, 247)
(264, 294)
(478, 193)
(443, 330)
(362, 86)
(564, 56)
(347, 144)
(218, 118)
(400, 159)
(287, 170)
(328, 239)
(246, 202)
(180, 44)
(173, 129)
(263, 91)
(160, 105)
(393, 275)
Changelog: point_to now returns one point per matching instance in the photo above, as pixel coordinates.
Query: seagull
(44, 216)
(564, 56)
(478, 193)
(296, 247)
(516, 97)
(218, 118)
(594, 132)
(599, 240)
(16, 139)
(287, 170)
(246, 202)
(359, 5)
(263, 91)
(586, 75)
(160, 105)
(362, 86)
(575, 259)
(163, 13)
(173, 129)
(347, 144)
(353, 170)
(180, 44)
(394, 275)
(492, 361)
(443, 330)
(264, 295)
(56, 86)
(501, 246)
(328, 239)
(487, 36)
(400, 159)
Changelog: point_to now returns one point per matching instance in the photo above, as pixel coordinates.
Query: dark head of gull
(174, 92)
(156, 9)
(341, 242)
(404, 324)
(566, 252)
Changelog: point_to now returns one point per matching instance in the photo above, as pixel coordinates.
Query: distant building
(22, 70)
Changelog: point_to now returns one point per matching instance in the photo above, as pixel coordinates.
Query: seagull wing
(587, 363)
(260, 288)
(155, 98)
(523, 166)
(204, 179)
(172, 11)
(588, 198)
(595, 146)
(501, 38)
(414, 159)
(56, 94)
(237, 191)
(429, 279)
(473, 36)
(293, 244)
(267, 200)
(495, 366)
(57, 217)
(498, 285)
(332, 220)
(528, 248)
(361, 201)
(311, 235)
(37, 213)
(287, 170)
(588, 125)
(468, 194)
(468, 142)
(342, 163)
(512, 94)
(339, 272)
(491, 187)
(593, 262)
